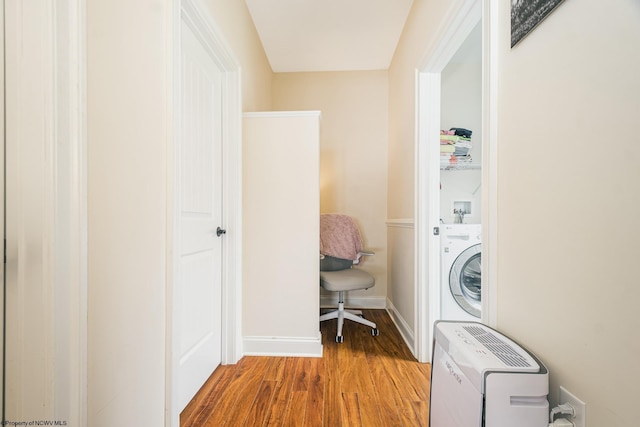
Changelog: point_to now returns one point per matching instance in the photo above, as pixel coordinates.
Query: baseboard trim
(283, 346)
(331, 301)
(403, 327)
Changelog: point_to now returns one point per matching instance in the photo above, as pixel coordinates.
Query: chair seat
(346, 280)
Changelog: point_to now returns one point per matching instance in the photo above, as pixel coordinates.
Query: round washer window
(465, 280)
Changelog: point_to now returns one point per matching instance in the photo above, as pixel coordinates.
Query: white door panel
(197, 294)
(198, 291)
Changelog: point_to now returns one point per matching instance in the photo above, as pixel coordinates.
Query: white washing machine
(460, 272)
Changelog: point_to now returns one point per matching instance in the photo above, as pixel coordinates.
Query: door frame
(63, 78)
(205, 29)
(460, 20)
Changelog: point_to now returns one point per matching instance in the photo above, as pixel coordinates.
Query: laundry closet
(460, 182)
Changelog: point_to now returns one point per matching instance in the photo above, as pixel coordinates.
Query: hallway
(366, 381)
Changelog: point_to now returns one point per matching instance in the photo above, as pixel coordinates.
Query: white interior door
(198, 298)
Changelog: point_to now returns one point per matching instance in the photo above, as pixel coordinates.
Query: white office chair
(340, 250)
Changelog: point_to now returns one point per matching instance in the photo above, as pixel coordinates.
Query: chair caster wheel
(339, 339)
(375, 332)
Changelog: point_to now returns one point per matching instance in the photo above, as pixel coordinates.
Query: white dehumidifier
(481, 378)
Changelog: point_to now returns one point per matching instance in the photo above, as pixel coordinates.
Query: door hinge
(436, 231)
(220, 231)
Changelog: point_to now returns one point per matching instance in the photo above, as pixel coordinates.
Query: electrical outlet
(578, 405)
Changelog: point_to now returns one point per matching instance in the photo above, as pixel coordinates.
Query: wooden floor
(365, 381)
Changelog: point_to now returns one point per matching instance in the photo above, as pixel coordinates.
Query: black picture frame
(527, 14)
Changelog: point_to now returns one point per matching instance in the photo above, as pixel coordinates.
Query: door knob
(220, 231)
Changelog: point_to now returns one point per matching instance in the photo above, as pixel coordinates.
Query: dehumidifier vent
(503, 351)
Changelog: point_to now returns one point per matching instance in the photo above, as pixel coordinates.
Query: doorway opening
(462, 19)
(460, 182)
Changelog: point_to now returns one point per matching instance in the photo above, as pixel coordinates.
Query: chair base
(354, 315)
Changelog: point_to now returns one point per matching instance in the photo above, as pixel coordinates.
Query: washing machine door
(465, 280)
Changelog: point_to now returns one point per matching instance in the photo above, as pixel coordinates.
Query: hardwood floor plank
(207, 398)
(365, 381)
(408, 414)
(367, 395)
(302, 379)
(314, 412)
(296, 410)
(403, 393)
(276, 369)
(422, 412)
(260, 409)
(415, 384)
(346, 368)
(388, 394)
(235, 394)
(282, 393)
(333, 400)
(351, 410)
(249, 393)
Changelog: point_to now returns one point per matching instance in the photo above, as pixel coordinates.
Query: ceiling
(329, 35)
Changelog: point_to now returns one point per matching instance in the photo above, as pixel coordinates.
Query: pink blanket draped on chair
(339, 236)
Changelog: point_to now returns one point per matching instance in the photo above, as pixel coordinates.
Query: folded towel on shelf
(462, 132)
(455, 148)
(461, 151)
(449, 139)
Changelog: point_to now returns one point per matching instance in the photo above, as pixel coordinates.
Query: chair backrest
(329, 263)
(340, 242)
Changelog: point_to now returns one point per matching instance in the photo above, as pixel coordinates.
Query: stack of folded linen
(455, 145)
(448, 141)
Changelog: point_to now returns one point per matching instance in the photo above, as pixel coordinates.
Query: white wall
(129, 49)
(568, 187)
(460, 186)
(127, 135)
(568, 99)
(233, 20)
(424, 21)
(281, 193)
(128, 46)
(353, 155)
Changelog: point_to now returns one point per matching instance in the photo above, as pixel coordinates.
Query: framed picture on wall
(527, 14)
